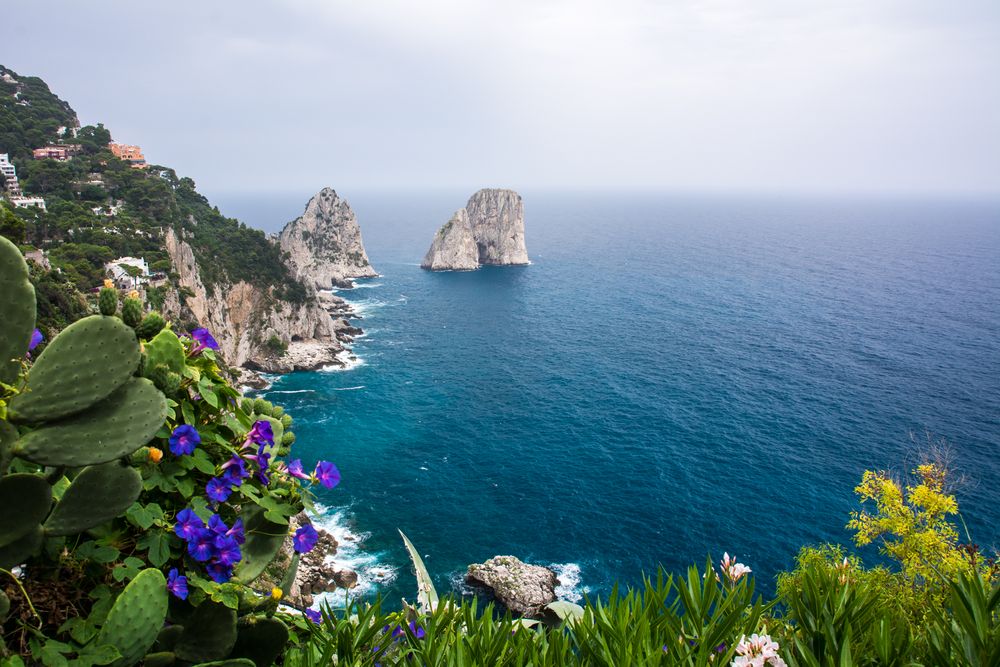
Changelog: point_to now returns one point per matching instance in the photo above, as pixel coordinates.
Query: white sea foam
(351, 555)
(360, 386)
(349, 360)
(569, 588)
(292, 391)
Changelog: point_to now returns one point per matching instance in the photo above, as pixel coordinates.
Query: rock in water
(324, 244)
(454, 247)
(493, 220)
(523, 589)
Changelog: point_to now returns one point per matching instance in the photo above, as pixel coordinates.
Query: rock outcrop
(523, 589)
(316, 572)
(454, 247)
(323, 245)
(243, 317)
(489, 230)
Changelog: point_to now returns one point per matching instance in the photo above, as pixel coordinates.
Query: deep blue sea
(672, 377)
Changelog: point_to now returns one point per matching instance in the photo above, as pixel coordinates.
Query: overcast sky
(768, 95)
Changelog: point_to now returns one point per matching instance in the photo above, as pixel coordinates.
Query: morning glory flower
(327, 474)
(305, 539)
(36, 338)
(227, 550)
(417, 631)
(203, 340)
(177, 584)
(189, 525)
(184, 439)
(295, 469)
(262, 460)
(314, 615)
(261, 433)
(218, 490)
(219, 573)
(219, 527)
(235, 471)
(202, 546)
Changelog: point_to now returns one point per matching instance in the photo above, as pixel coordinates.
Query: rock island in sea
(488, 231)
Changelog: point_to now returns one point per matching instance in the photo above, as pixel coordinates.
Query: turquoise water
(671, 377)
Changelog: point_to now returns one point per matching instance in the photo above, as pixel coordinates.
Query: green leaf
(202, 461)
(188, 411)
(139, 515)
(104, 654)
(98, 553)
(157, 543)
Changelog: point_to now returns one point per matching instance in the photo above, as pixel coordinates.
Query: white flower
(735, 571)
(757, 651)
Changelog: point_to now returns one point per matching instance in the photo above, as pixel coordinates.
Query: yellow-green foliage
(914, 526)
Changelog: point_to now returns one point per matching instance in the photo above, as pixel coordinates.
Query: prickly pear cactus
(150, 326)
(17, 306)
(116, 427)
(83, 365)
(24, 502)
(264, 539)
(209, 635)
(107, 301)
(132, 311)
(260, 640)
(136, 617)
(98, 494)
(20, 549)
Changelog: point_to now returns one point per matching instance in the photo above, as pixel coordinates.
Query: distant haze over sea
(673, 376)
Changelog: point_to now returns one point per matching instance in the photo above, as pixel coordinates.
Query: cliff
(489, 230)
(243, 317)
(323, 245)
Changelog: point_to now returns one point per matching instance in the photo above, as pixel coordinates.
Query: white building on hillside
(9, 174)
(136, 275)
(28, 202)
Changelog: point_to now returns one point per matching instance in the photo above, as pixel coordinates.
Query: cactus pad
(25, 500)
(165, 350)
(22, 548)
(209, 635)
(98, 494)
(8, 436)
(264, 539)
(159, 659)
(107, 301)
(150, 326)
(17, 310)
(136, 617)
(261, 640)
(116, 427)
(236, 662)
(81, 366)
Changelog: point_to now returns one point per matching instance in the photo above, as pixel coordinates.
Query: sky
(780, 96)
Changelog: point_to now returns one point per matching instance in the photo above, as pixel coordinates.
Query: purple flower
(295, 469)
(36, 338)
(189, 525)
(263, 459)
(219, 573)
(236, 532)
(184, 439)
(314, 615)
(417, 631)
(177, 584)
(227, 550)
(218, 490)
(235, 471)
(202, 546)
(305, 539)
(261, 433)
(203, 340)
(327, 474)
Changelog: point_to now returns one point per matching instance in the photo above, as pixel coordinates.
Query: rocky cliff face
(243, 317)
(454, 247)
(324, 244)
(494, 220)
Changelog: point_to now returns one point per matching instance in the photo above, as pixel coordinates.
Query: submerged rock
(324, 244)
(523, 589)
(489, 230)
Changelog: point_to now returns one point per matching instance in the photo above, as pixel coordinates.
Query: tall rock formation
(324, 244)
(489, 230)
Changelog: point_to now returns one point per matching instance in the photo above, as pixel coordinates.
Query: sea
(674, 376)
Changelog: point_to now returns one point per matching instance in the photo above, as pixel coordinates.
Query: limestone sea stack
(488, 231)
(323, 245)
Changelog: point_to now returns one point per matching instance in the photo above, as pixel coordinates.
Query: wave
(292, 391)
(569, 588)
(360, 386)
(373, 572)
(349, 360)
